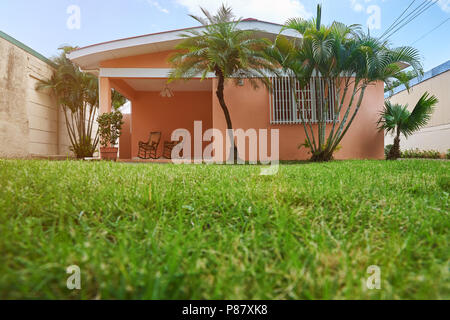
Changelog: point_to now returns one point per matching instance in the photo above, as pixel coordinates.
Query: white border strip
(162, 73)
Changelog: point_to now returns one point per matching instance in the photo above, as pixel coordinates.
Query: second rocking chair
(149, 149)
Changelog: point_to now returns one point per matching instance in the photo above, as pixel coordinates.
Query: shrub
(110, 127)
(421, 154)
(448, 154)
(310, 148)
(444, 183)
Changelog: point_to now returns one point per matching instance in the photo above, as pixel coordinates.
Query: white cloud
(445, 5)
(359, 5)
(156, 5)
(268, 10)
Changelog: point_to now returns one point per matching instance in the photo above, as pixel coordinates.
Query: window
(284, 109)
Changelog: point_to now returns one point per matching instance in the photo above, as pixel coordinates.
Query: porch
(151, 111)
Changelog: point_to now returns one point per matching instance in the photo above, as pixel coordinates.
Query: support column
(105, 95)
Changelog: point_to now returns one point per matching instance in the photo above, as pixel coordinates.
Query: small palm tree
(77, 95)
(225, 50)
(396, 118)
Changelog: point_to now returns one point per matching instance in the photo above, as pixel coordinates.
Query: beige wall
(437, 133)
(30, 121)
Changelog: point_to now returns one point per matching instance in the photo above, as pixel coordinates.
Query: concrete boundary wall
(31, 123)
(436, 136)
(431, 138)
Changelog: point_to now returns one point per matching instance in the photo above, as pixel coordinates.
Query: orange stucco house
(138, 68)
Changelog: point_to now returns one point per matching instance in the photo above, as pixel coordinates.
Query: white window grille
(283, 105)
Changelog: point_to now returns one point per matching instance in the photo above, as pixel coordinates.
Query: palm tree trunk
(318, 111)
(341, 135)
(302, 117)
(220, 96)
(394, 153)
(344, 120)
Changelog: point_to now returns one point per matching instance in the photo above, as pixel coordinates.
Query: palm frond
(397, 118)
(297, 24)
(421, 114)
(223, 47)
(392, 116)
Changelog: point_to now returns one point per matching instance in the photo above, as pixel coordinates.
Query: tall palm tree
(343, 56)
(225, 50)
(396, 118)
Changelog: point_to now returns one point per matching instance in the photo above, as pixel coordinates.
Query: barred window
(283, 105)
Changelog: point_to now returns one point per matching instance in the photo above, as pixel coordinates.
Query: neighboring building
(436, 135)
(31, 124)
(138, 68)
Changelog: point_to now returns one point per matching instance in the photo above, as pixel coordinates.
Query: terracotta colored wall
(250, 109)
(363, 140)
(125, 138)
(151, 112)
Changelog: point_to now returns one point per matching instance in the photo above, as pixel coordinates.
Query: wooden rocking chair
(149, 149)
(168, 147)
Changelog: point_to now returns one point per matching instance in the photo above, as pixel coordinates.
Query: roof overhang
(403, 65)
(90, 57)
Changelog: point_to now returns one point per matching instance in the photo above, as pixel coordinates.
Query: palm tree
(396, 118)
(343, 56)
(117, 100)
(77, 94)
(392, 84)
(225, 50)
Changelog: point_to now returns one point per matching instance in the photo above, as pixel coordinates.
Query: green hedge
(425, 154)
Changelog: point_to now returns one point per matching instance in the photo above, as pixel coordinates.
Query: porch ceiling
(159, 84)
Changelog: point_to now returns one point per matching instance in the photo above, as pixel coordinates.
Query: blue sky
(42, 24)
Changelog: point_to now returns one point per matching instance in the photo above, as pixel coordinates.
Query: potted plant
(110, 129)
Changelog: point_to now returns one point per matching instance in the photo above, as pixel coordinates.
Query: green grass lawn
(224, 232)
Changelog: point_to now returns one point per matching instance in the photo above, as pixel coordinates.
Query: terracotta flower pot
(109, 153)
